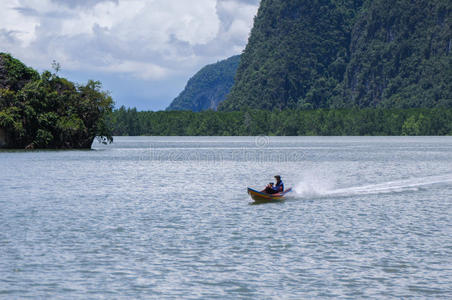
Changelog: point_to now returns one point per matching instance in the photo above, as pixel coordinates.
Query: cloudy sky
(143, 51)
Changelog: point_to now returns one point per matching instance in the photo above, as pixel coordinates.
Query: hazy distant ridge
(207, 88)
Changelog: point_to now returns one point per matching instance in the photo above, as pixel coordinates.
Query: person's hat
(277, 177)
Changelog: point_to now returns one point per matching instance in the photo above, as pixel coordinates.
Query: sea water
(169, 218)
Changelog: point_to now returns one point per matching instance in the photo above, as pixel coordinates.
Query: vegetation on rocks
(305, 54)
(47, 111)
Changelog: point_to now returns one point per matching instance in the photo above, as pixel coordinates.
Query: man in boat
(274, 189)
(279, 187)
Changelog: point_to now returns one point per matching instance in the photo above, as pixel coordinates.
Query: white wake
(323, 188)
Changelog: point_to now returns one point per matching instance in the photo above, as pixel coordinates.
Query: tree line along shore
(355, 122)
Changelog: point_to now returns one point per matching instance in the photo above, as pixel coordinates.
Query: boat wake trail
(316, 189)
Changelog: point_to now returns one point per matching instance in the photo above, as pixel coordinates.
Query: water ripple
(371, 218)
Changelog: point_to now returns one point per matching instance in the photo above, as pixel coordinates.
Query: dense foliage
(288, 122)
(401, 55)
(207, 88)
(346, 53)
(14, 75)
(47, 111)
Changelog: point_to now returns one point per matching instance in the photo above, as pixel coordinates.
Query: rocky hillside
(349, 53)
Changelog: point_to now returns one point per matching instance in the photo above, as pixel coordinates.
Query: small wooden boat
(264, 197)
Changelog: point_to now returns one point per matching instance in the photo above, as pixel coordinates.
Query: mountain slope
(207, 88)
(344, 53)
(295, 47)
(401, 55)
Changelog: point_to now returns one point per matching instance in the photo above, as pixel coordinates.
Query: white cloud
(141, 70)
(16, 23)
(147, 39)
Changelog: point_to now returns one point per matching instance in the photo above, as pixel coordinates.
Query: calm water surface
(169, 217)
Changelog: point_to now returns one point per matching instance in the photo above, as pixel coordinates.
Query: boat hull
(264, 197)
